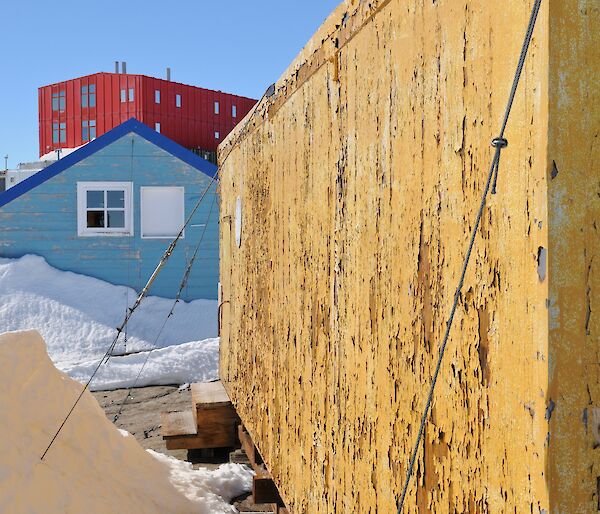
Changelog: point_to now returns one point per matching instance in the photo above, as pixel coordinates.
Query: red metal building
(73, 112)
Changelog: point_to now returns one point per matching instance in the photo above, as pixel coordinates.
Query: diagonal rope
(138, 301)
(129, 249)
(499, 143)
(182, 285)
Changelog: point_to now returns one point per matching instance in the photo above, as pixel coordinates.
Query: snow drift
(77, 316)
(92, 467)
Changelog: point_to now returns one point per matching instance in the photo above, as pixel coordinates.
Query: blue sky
(238, 46)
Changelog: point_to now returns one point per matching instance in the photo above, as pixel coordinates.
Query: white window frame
(157, 96)
(217, 135)
(182, 189)
(83, 230)
(217, 107)
(157, 126)
(178, 100)
(234, 111)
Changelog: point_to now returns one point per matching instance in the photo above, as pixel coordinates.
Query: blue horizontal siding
(43, 221)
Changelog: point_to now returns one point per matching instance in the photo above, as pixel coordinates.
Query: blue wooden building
(110, 209)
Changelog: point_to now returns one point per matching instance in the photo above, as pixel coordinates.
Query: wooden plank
(212, 422)
(264, 489)
(206, 439)
(180, 432)
(220, 416)
(177, 424)
(250, 449)
(209, 395)
(211, 405)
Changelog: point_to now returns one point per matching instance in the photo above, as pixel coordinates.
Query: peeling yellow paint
(359, 180)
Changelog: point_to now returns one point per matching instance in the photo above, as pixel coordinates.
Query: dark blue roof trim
(131, 125)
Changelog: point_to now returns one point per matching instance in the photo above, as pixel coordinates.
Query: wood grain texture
(177, 423)
(359, 181)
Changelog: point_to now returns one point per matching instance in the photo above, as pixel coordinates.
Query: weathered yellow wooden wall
(573, 466)
(359, 181)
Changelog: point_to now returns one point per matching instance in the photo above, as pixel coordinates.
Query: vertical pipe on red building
(116, 66)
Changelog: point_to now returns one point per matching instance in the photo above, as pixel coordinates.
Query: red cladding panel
(193, 124)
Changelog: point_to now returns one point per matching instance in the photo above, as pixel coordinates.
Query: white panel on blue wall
(162, 211)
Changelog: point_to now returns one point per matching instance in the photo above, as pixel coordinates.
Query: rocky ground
(140, 416)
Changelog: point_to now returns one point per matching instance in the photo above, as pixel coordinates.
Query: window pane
(84, 134)
(95, 219)
(115, 199)
(84, 90)
(157, 127)
(233, 111)
(177, 100)
(131, 94)
(157, 96)
(92, 99)
(123, 97)
(84, 101)
(92, 132)
(95, 199)
(61, 103)
(92, 88)
(216, 107)
(116, 219)
(54, 102)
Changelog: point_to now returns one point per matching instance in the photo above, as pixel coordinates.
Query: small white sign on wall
(238, 221)
(162, 211)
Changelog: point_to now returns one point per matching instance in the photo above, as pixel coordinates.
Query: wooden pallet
(211, 423)
(264, 489)
(251, 451)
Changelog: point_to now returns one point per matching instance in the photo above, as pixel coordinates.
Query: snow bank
(204, 486)
(197, 361)
(77, 316)
(92, 467)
